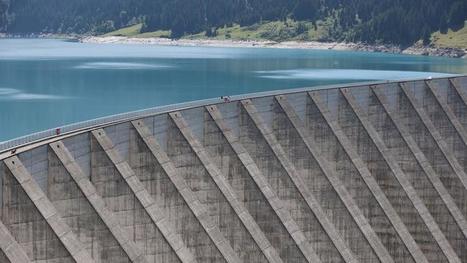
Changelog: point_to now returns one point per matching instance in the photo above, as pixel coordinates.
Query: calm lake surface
(49, 83)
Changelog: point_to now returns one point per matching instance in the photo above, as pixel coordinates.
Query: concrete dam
(357, 173)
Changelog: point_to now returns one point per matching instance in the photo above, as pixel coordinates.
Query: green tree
(305, 10)
(373, 21)
(457, 14)
(426, 36)
(3, 15)
(443, 24)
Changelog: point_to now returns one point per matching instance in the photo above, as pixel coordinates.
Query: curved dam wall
(370, 173)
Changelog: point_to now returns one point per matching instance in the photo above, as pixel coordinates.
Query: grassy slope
(455, 39)
(284, 31)
(126, 31)
(276, 31)
(135, 31)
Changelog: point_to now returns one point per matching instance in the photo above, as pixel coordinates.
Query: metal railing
(124, 117)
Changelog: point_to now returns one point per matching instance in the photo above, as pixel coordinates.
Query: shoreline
(312, 45)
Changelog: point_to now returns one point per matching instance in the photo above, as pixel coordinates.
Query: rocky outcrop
(418, 49)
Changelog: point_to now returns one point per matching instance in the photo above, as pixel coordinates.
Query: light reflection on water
(349, 74)
(14, 94)
(48, 83)
(119, 65)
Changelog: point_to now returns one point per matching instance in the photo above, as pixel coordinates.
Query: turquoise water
(49, 83)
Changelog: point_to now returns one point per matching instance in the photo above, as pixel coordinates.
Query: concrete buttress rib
(13, 251)
(429, 221)
(407, 187)
(299, 127)
(429, 171)
(311, 201)
(362, 172)
(416, 253)
(274, 201)
(426, 166)
(449, 113)
(229, 193)
(369, 233)
(198, 209)
(89, 191)
(459, 90)
(155, 213)
(47, 210)
(436, 135)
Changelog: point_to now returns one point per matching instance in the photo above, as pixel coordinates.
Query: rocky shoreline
(416, 49)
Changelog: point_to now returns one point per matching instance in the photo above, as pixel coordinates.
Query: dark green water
(49, 83)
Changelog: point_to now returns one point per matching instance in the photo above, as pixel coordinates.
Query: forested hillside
(3, 15)
(372, 21)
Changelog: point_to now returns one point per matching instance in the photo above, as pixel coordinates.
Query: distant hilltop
(428, 23)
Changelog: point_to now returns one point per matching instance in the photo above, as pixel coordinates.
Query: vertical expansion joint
(96, 201)
(69, 240)
(190, 198)
(459, 90)
(436, 136)
(392, 215)
(360, 219)
(228, 192)
(13, 251)
(346, 253)
(453, 208)
(303, 189)
(428, 219)
(292, 227)
(146, 200)
(449, 113)
(304, 136)
(426, 166)
(273, 200)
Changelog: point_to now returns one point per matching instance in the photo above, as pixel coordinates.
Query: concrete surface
(364, 173)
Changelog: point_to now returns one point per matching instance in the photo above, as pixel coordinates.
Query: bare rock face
(419, 49)
(374, 47)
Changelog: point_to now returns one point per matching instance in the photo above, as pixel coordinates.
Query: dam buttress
(356, 173)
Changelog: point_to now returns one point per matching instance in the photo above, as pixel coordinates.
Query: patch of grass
(135, 31)
(453, 39)
(235, 32)
(158, 33)
(321, 31)
(126, 31)
(272, 30)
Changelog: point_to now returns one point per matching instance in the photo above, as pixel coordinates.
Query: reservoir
(49, 83)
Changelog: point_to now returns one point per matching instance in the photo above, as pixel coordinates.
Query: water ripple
(15, 94)
(119, 65)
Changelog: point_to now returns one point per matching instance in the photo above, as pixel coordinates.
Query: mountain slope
(397, 22)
